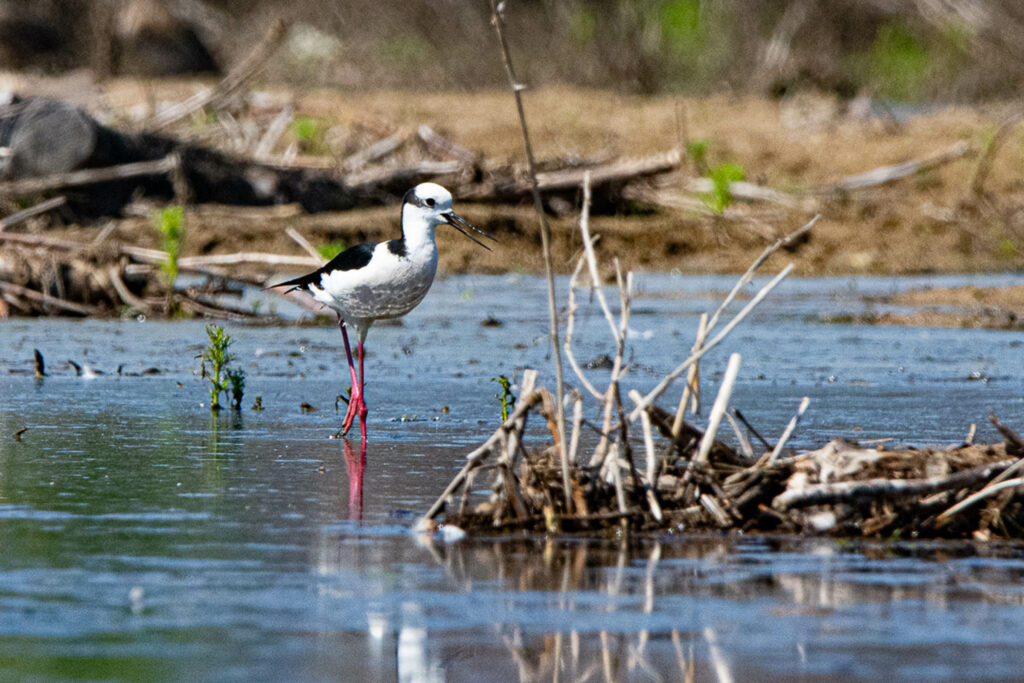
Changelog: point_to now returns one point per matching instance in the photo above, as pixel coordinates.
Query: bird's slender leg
(356, 397)
(363, 410)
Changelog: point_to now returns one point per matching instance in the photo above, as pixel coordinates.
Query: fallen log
(89, 176)
(46, 299)
(888, 174)
(884, 489)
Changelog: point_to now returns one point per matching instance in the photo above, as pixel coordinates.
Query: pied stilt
(372, 281)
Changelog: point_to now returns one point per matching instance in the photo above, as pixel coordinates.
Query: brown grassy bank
(928, 222)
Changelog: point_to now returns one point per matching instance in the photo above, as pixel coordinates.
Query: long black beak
(460, 224)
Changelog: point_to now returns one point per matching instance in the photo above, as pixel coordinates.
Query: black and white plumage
(377, 280)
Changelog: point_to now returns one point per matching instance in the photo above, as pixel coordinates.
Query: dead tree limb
(87, 176)
(31, 211)
(888, 174)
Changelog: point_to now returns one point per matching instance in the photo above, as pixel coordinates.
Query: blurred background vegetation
(905, 50)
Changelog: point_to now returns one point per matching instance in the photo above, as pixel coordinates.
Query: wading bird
(372, 281)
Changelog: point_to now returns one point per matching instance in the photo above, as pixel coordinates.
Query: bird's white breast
(388, 286)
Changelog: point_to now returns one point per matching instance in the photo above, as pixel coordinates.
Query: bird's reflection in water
(356, 467)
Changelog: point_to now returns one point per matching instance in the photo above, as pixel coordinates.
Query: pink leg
(351, 412)
(356, 404)
(363, 410)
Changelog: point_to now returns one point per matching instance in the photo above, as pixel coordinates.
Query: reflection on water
(144, 539)
(698, 608)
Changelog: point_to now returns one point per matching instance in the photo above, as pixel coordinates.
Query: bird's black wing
(352, 258)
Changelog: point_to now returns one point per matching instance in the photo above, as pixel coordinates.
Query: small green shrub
(720, 196)
(223, 378)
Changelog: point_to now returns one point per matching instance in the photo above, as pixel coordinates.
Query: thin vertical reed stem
(545, 234)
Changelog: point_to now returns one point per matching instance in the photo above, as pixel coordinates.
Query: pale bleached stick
(577, 424)
(588, 250)
(570, 326)
(883, 489)
(87, 176)
(692, 389)
(250, 257)
(498, 21)
(620, 493)
(741, 436)
(304, 243)
(125, 294)
(749, 275)
(618, 331)
(515, 434)
(887, 174)
(612, 395)
(665, 383)
(718, 409)
(789, 430)
(970, 500)
(274, 132)
(652, 460)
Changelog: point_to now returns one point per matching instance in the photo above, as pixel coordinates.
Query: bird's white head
(429, 205)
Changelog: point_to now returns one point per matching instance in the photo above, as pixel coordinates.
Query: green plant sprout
(720, 196)
(331, 249)
(223, 379)
(305, 129)
(170, 223)
(508, 401)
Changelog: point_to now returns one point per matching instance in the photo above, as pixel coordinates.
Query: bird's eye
(430, 201)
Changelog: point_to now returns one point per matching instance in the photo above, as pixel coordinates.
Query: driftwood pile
(651, 469)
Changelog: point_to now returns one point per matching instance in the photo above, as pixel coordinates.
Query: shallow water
(144, 539)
